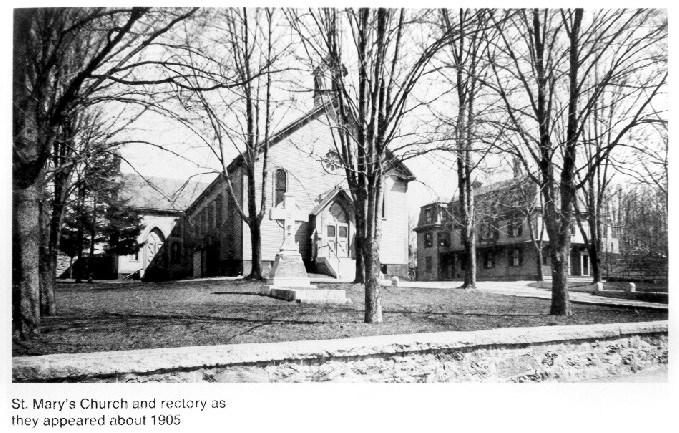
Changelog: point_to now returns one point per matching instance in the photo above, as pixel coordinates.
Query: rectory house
(508, 228)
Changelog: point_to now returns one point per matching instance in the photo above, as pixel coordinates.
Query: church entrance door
(337, 231)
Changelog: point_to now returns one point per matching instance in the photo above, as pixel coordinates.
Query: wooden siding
(394, 243)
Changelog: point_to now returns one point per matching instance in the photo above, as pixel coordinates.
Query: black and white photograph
(211, 197)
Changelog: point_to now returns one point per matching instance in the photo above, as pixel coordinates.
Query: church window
(281, 186)
(176, 253)
(384, 205)
(203, 221)
(177, 229)
(332, 161)
(211, 215)
(219, 209)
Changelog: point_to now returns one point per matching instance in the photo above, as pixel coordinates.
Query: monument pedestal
(288, 279)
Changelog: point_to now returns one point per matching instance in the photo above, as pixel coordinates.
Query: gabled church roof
(320, 109)
(328, 197)
(158, 193)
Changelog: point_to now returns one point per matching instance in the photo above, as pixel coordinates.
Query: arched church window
(281, 186)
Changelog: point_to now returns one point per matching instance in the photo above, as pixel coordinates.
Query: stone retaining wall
(563, 353)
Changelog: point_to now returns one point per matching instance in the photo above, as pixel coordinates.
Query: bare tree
(105, 43)
(244, 48)
(370, 101)
(542, 75)
(467, 65)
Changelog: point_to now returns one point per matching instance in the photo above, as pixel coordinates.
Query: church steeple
(320, 84)
(323, 75)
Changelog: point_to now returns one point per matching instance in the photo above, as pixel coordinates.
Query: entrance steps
(337, 267)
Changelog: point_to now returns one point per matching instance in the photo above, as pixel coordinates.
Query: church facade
(215, 240)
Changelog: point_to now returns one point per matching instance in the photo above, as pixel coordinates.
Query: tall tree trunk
(254, 224)
(28, 159)
(359, 243)
(373, 305)
(537, 244)
(359, 276)
(47, 264)
(80, 235)
(371, 251)
(468, 226)
(594, 247)
(540, 271)
(27, 217)
(560, 299)
(256, 245)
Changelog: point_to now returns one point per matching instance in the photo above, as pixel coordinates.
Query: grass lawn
(123, 316)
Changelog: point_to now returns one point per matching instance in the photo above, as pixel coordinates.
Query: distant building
(161, 203)
(504, 247)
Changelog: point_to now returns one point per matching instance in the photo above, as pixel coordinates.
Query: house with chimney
(510, 236)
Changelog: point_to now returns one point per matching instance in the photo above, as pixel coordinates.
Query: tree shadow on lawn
(238, 293)
(116, 320)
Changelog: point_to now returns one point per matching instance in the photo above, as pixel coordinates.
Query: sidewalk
(522, 289)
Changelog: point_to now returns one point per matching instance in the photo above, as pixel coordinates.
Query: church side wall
(394, 245)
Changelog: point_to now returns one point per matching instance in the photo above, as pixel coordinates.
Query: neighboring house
(504, 246)
(161, 203)
(302, 162)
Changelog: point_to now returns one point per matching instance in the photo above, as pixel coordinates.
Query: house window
(545, 258)
(515, 227)
(572, 228)
(428, 216)
(445, 216)
(487, 231)
(281, 186)
(515, 257)
(443, 239)
(488, 260)
(427, 264)
(428, 240)
(203, 221)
